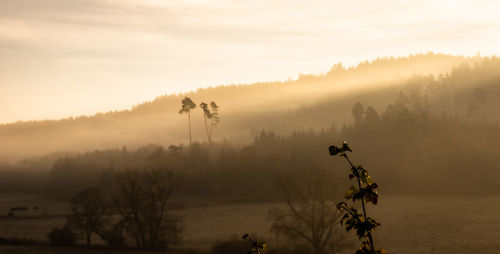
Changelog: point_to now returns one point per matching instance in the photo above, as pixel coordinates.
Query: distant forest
(311, 101)
(436, 134)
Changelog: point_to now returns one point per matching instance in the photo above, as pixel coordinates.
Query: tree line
(406, 141)
(286, 106)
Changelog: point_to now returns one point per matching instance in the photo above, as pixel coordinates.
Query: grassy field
(409, 224)
(31, 223)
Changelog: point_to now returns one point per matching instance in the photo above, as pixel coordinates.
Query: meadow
(410, 224)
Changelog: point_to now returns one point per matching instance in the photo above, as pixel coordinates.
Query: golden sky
(70, 57)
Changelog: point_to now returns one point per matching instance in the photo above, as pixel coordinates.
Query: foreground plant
(366, 192)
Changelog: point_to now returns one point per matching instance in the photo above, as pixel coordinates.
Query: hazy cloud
(156, 46)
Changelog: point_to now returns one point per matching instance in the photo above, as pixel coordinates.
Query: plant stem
(362, 201)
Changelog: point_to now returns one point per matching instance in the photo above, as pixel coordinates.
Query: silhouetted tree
(358, 113)
(310, 214)
(112, 232)
(371, 116)
(212, 116)
(206, 115)
(88, 209)
(187, 106)
(144, 204)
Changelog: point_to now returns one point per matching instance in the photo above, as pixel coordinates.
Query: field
(409, 224)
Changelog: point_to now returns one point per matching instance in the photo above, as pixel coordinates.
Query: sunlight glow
(60, 58)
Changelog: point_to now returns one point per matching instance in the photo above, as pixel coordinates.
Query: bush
(114, 236)
(62, 237)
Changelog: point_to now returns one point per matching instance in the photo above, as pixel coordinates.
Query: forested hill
(457, 86)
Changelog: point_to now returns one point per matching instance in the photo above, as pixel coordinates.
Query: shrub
(62, 237)
(114, 236)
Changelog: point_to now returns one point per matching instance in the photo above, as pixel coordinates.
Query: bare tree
(310, 215)
(144, 204)
(88, 209)
(187, 106)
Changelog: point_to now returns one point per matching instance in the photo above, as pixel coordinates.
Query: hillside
(311, 101)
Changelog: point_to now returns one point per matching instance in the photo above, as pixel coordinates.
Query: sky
(61, 58)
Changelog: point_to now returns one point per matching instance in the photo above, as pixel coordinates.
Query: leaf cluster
(368, 192)
(341, 151)
(210, 113)
(187, 105)
(352, 219)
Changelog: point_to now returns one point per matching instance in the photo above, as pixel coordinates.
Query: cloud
(190, 43)
(162, 30)
(108, 26)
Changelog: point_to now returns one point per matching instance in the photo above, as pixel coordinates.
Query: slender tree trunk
(142, 234)
(88, 234)
(141, 239)
(151, 218)
(211, 128)
(206, 128)
(189, 119)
